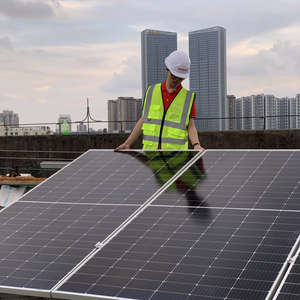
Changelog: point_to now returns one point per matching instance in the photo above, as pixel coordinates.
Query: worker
(14, 172)
(168, 111)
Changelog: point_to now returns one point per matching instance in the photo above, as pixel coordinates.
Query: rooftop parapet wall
(29, 151)
(252, 139)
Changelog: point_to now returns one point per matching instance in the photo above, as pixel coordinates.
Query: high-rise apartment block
(231, 107)
(156, 45)
(123, 114)
(258, 112)
(208, 77)
(295, 111)
(8, 117)
(112, 116)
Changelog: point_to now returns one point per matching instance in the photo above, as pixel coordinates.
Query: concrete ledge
(28, 152)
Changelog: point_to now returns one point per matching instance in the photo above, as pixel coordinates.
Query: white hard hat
(179, 64)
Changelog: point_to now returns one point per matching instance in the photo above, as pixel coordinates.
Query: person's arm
(136, 132)
(193, 135)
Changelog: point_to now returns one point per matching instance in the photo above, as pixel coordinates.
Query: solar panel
(287, 285)
(168, 225)
(55, 226)
(222, 230)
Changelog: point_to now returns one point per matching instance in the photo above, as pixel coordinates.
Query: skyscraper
(156, 45)
(208, 76)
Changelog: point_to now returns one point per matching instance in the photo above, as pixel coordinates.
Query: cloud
(6, 43)
(91, 61)
(127, 81)
(4, 98)
(275, 70)
(28, 9)
(283, 58)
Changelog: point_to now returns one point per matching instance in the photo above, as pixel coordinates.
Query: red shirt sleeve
(193, 113)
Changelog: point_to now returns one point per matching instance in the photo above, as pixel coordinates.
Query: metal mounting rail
(284, 272)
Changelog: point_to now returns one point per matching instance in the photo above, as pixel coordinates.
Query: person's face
(174, 80)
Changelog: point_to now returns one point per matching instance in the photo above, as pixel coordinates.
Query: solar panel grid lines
(262, 239)
(169, 245)
(226, 188)
(59, 249)
(286, 286)
(46, 237)
(157, 264)
(65, 188)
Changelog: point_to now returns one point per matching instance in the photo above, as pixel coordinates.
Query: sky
(56, 54)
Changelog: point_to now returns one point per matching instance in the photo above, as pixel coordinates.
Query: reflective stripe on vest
(174, 133)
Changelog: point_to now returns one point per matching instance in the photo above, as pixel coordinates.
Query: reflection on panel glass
(165, 164)
(125, 177)
(239, 179)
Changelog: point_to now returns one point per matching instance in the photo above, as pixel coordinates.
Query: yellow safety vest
(167, 129)
(167, 164)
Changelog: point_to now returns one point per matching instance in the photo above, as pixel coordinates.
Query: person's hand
(122, 147)
(198, 147)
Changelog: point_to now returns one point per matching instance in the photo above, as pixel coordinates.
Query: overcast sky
(54, 54)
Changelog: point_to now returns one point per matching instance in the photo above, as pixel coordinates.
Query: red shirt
(169, 97)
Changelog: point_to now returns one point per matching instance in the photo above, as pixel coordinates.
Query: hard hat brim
(180, 75)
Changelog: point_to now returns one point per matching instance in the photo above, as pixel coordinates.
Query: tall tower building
(208, 77)
(156, 45)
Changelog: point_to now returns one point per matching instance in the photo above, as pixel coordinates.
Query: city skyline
(55, 54)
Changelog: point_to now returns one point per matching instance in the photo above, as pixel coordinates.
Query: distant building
(61, 120)
(231, 107)
(239, 114)
(258, 112)
(208, 77)
(123, 114)
(283, 122)
(112, 112)
(156, 45)
(81, 127)
(17, 131)
(270, 112)
(295, 112)
(8, 117)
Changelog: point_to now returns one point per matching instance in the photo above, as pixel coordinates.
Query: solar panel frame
(149, 248)
(290, 208)
(282, 288)
(37, 194)
(56, 293)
